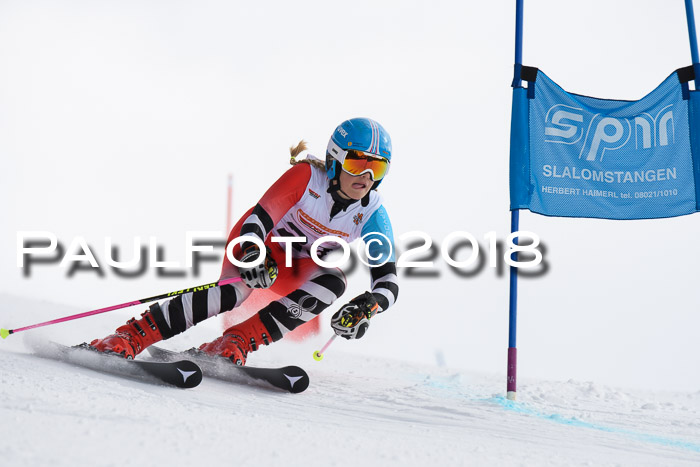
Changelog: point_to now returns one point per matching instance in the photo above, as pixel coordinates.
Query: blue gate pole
(514, 227)
(692, 36)
(691, 30)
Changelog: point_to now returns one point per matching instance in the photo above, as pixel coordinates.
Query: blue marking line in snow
(451, 387)
(520, 408)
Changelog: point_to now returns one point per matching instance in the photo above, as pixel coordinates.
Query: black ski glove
(352, 320)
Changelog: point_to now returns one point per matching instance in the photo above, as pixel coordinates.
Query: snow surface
(358, 410)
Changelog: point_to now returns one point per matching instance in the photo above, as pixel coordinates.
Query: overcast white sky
(124, 119)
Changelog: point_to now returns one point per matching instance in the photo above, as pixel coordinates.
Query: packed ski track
(358, 410)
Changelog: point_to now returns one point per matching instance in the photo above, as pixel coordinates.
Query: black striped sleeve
(259, 224)
(385, 286)
(200, 306)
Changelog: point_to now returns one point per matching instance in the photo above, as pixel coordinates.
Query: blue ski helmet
(361, 134)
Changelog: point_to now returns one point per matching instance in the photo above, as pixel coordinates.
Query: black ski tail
(182, 373)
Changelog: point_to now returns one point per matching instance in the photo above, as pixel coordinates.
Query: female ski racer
(311, 200)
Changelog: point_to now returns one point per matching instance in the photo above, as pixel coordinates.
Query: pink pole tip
(318, 355)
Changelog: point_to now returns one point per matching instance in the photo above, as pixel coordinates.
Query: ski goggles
(358, 162)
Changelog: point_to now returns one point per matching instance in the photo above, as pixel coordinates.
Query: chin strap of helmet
(365, 199)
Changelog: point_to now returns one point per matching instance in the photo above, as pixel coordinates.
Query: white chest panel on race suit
(310, 218)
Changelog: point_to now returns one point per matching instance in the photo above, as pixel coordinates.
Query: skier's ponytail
(295, 151)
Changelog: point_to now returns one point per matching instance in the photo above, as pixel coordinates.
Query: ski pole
(318, 355)
(6, 332)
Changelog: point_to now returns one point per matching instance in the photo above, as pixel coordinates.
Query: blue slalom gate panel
(579, 156)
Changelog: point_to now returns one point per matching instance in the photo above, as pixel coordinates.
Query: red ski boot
(239, 340)
(132, 338)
